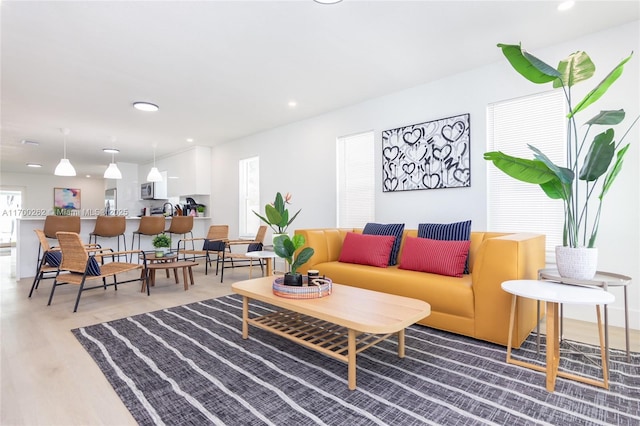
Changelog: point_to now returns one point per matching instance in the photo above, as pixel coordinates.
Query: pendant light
(112, 171)
(64, 167)
(154, 174)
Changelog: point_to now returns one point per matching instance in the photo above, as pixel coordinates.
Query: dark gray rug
(190, 365)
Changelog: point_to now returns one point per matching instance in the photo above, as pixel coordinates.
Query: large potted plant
(286, 247)
(277, 215)
(592, 165)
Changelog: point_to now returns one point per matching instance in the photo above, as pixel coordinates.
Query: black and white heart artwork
(430, 155)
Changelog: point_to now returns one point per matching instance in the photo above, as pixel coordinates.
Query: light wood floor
(47, 378)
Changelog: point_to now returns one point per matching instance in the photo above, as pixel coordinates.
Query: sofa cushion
(457, 231)
(435, 256)
(373, 250)
(394, 229)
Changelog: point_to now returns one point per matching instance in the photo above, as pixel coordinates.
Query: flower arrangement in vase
(592, 165)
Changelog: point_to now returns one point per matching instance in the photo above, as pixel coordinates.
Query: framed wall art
(66, 198)
(429, 155)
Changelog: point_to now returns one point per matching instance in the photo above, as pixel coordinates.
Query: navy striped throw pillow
(53, 258)
(458, 231)
(393, 229)
(93, 267)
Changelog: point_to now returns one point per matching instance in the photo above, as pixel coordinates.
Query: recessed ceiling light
(145, 106)
(189, 140)
(87, 176)
(32, 143)
(327, 1)
(566, 5)
(34, 165)
(292, 104)
(173, 177)
(111, 150)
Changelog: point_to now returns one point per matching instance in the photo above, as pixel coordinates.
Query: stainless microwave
(147, 191)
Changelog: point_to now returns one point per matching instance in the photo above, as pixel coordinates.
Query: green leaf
(530, 171)
(608, 118)
(302, 258)
(530, 67)
(298, 241)
(565, 175)
(556, 190)
(273, 215)
(613, 173)
(601, 89)
(599, 157)
(574, 69)
(278, 204)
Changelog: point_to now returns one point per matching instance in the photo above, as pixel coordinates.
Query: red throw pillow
(373, 250)
(435, 256)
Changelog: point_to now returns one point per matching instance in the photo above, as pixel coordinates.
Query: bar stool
(53, 224)
(181, 225)
(150, 226)
(109, 227)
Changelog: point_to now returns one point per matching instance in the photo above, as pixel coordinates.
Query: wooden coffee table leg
(175, 275)
(245, 317)
(184, 277)
(351, 359)
(191, 274)
(401, 343)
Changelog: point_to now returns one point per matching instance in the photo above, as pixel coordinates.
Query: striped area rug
(190, 365)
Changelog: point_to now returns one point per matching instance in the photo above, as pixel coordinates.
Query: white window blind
(249, 196)
(537, 120)
(356, 180)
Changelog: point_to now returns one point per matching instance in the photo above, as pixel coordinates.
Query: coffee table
(341, 325)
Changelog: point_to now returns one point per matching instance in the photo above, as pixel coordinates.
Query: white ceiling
(221, 70)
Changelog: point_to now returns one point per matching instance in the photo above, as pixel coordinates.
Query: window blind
(355, 180)
(537, 120)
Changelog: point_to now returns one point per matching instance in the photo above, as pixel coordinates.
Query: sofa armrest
(326, 244)
(508, 257)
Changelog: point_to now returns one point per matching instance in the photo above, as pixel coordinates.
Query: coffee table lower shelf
(323, 336)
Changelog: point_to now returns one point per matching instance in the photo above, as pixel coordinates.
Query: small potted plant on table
(285, 247)
(162, 243)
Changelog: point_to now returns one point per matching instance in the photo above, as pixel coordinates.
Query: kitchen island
(27, 242)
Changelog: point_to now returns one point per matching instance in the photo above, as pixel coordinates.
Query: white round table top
(263, 254)
(559, 293)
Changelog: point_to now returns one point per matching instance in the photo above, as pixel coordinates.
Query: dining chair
(81, 265)
(181, 225)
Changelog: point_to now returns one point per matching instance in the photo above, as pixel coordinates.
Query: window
(537, 120)
(249, 196)
(356, 180)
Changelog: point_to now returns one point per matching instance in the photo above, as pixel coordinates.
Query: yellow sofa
(474, 305)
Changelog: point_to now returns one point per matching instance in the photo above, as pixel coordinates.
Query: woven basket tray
(312, 291)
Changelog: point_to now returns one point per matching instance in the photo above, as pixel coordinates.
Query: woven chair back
(44, 243)
(151, 225)
(218, 232)
(110, 226)
(181, 225)
(54, 224)
(74, 253)
(262, 233)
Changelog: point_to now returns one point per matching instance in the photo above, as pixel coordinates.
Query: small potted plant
(162, 243)
(277, 216)
(285, 247)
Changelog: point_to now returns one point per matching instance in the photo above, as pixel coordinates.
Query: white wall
(38, 190)
(300, 158)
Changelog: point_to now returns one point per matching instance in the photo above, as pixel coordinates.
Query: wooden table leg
(191, 275)
(603, 350)
(175, 275)
(553, 346)
(245, 317)
(184, 277)
(351, 359)
(269, 266)
(401, 343)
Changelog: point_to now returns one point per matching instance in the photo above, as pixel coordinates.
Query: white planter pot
(579, 263)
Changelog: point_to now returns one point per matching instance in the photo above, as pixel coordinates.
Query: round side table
(555, 294)
(603, 280)
(268, 256)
